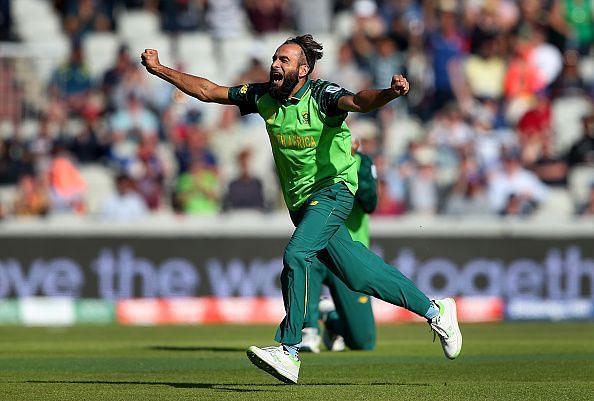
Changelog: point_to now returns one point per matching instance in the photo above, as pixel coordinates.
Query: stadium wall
(155, 275)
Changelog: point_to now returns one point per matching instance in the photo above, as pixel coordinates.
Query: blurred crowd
(499, 120)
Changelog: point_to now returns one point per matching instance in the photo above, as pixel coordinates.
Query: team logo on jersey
(244, 88)
(305, 116)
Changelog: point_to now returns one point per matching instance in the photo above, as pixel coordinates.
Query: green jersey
(365, 200)
(310, 140)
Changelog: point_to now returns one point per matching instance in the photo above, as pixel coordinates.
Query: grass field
(531, 361)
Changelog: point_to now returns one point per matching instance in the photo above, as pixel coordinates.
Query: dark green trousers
(353, 318)
(320, 234)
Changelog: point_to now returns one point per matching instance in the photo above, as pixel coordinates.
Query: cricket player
(349, 319)
(311, 145)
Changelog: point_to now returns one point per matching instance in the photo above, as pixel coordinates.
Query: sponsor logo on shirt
(332, 89)
(294, 141)
(244, 88)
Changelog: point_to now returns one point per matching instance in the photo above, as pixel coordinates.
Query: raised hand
(399, 85)
(150, 59)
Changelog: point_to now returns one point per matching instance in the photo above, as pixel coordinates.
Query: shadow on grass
(213, 386)
(211, 349)
(232, 387)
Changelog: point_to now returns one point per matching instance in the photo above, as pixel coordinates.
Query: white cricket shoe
(445, 325)
(276, 361)
(310, 340)
(334, 342)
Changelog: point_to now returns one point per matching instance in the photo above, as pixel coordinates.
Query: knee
(365, 345)
(293, 258)
(362, 339)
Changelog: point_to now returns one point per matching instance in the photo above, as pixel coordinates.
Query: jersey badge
(305, 116)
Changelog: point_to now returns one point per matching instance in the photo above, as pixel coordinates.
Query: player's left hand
(399, 85)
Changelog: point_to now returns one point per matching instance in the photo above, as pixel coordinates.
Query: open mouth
(276, 77)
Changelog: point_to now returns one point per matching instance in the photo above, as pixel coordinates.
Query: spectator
(447, 46)
(88, 146)
(267, 15)
(515, 190)
(569, 82)
(385, 61)
(549, 167)
(404, 18)
(84, 16)
(484, 71)
(422, 184)
(135, 122)
(197, 190)
(182, 15)
(546, 57)
(387, 205)
(15, 160)
(125, 204)
(579, 17)
(31, 198)
(194, 147)
(450, 130)
(347, 73)
(151, 174)
(72, 80)
(42, 144)
(582, 151)
(522, 79)
(115, 75)
(469, 195)
(534, 129)
(487, 25)
(255, 72)
(5, 21)
(587, 209)
(67, 186)
(246, 191)
(313, 16)
(134, 83)
(368, 27)
(226, 19)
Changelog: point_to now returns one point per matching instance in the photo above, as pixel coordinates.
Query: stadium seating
(100, 184)
(100, 49)
(566, 120)
(136, 24)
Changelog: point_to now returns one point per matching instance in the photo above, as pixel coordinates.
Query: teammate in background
(311, 144)
(349, 319)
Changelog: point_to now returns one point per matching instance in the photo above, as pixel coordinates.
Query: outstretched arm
(200, 88)
(371, 99)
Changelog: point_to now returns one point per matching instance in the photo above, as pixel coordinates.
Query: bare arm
(200, 88)
(372, 99)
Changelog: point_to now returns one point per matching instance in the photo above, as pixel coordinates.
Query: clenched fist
(150, 59)
(399, 85)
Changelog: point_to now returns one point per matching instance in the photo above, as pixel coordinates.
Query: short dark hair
(311, 49)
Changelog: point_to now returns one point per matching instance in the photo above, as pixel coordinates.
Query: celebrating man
(311, 144)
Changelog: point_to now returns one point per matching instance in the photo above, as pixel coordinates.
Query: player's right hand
(150, 59)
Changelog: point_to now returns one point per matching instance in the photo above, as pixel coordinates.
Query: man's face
(285, 70)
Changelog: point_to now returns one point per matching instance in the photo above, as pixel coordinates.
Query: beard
(282, 92)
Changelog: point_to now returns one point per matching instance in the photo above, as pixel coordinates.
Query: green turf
(535, 361)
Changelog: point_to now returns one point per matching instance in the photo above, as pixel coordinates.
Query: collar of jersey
(295, 99)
